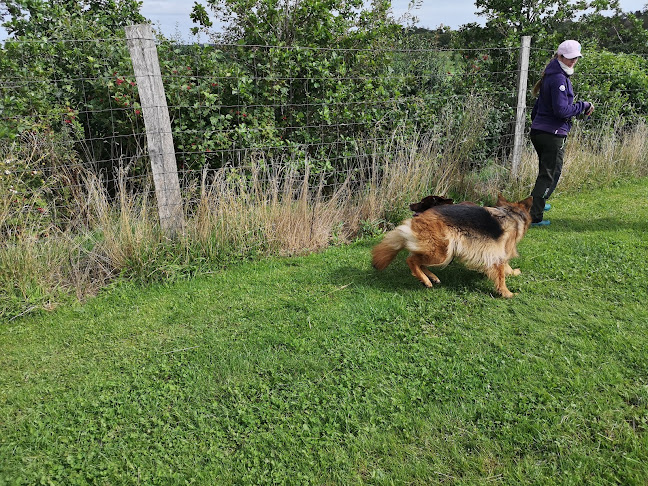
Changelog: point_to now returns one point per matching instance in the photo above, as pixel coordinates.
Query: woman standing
(551, 122)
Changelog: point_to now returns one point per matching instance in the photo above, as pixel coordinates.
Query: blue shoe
(544, 222)
(547, 207)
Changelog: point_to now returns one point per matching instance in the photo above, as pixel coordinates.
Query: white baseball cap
(570, 49)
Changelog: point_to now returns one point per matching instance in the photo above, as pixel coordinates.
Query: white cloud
(169, 16)
(166, 7)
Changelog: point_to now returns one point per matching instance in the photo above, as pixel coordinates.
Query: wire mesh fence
(332, 115)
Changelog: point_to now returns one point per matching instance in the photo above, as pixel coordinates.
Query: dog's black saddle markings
(472, 218)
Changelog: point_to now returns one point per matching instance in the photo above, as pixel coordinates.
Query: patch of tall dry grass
(592, 158)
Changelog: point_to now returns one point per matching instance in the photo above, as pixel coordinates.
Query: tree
(548, 22)
(304, 23)
(536, 18)
(621, 32)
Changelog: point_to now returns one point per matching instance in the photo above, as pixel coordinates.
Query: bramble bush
(58, 68)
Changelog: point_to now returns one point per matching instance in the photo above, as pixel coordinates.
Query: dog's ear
(501, 200)
(422, 205)
(429, 202)
(527, 203)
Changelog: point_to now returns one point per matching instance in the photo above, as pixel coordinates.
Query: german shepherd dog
(483, 238)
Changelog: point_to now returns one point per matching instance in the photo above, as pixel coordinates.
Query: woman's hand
(590, 110)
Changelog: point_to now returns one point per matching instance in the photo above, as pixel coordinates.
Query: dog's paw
(516, 272)
(508, 294)
(429, 283)
(431, 277)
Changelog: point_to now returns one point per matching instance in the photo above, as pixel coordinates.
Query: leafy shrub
(616, 83)
(302, 104)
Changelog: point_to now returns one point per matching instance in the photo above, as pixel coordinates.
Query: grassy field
(319, 370)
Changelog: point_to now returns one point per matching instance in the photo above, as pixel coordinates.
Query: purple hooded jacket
(555, 105)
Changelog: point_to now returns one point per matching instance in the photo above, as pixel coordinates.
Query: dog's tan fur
(484, 239)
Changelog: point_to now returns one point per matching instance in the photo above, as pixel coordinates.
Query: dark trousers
(551, 150)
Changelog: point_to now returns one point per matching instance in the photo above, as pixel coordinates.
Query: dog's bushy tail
(385, 251)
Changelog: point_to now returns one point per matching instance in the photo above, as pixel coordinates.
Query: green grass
(319, 370)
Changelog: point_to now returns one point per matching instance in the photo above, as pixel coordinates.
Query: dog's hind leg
(497, 273)
(415, 262)
(433, 278)
(418, 263)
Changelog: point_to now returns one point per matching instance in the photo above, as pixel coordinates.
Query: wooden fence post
(143, 52)
(520, 117)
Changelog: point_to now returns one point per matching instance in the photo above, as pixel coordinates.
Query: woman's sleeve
(561, 106)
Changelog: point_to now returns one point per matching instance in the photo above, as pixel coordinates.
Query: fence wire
(69, 108)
